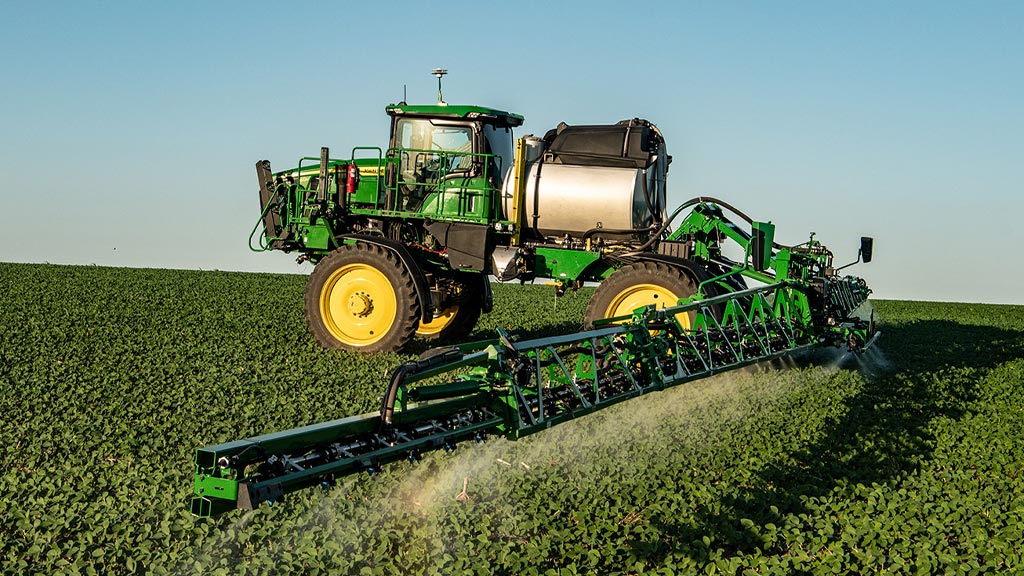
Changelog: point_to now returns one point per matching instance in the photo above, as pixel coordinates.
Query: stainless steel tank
(581, 178)
(568, 199)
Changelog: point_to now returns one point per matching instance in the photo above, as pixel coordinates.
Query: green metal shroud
(510, 388)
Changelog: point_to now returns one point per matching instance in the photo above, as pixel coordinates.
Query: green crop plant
(909, 462)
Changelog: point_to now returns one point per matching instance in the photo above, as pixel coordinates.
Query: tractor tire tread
(682, 279)
(407, 312)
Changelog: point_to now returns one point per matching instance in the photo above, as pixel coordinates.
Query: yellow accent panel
(518, 190)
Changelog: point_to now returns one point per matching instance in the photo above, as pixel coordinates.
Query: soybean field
(908, 459)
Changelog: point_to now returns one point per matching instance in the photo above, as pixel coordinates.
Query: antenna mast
(439, 72)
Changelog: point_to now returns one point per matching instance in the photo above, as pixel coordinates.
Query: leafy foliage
(905, 460)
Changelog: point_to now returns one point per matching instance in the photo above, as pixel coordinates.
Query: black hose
(668, 221)
(655, 217)
(387, 408)
(725, 205)
(692, 202)
(743, 216)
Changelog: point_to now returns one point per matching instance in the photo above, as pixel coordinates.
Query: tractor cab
(448, 160)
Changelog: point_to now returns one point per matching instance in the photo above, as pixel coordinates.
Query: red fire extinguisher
(352, 179)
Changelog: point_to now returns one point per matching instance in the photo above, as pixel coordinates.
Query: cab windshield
(425, 144)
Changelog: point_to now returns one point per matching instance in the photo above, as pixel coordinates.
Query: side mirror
(867, 244)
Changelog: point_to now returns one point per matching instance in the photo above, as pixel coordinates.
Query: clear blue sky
(129, 130)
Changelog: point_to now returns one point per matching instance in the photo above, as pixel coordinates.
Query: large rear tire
(457, 320)
(641, 284)
(361, 298)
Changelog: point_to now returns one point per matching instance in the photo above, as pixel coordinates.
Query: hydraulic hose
(647, 200)
(668, 222)
(737, 212)
(387, 409)
(692, 202)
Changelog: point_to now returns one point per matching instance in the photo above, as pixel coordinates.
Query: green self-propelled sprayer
(513, 388)
(405, 238)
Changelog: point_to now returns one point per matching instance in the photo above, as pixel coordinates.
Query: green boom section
(511, 388)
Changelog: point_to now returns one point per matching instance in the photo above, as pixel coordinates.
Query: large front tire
(361, 298)
(641, 284)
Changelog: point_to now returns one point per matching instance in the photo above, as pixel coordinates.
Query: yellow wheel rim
(640, 295)
(439, 323)
(358, 305)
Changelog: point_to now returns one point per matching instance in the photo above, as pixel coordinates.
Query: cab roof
(492, 115)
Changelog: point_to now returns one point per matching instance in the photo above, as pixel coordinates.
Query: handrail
(446, 171)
